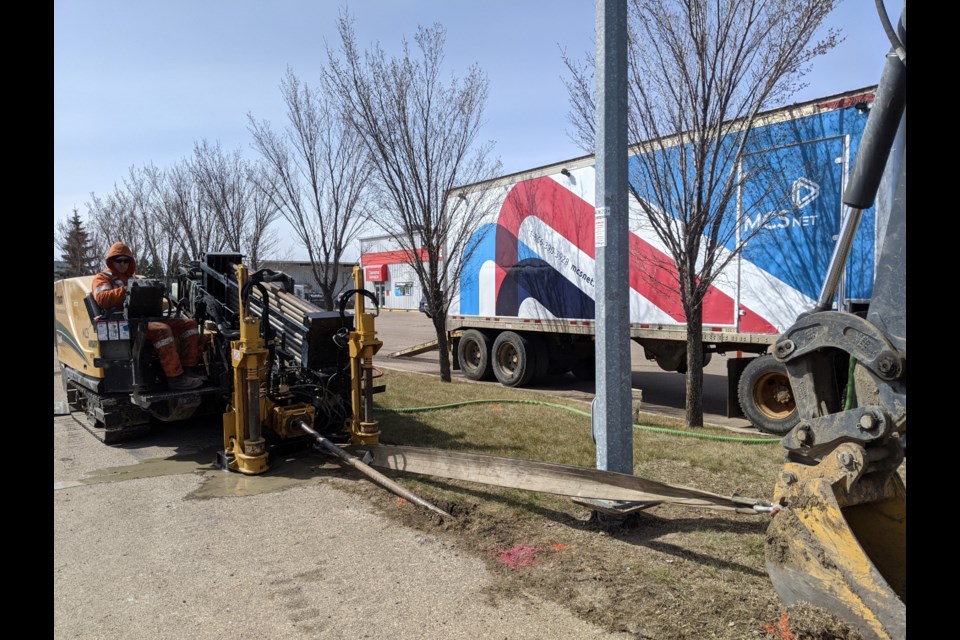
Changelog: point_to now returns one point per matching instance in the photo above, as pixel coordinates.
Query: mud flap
(838, 542)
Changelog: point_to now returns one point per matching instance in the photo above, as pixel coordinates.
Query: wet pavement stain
(150, 468)
(224, 484)
(284, 473)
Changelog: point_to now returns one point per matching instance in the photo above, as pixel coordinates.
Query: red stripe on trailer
(573, 218)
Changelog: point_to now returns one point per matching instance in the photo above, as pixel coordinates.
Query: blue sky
(139, 82)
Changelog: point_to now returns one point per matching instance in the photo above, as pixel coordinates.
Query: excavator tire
(766, 397)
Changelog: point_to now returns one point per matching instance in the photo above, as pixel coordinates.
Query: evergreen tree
(77, 248)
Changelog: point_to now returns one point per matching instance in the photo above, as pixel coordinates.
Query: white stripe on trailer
(769, 297)
(488, 288)
(562, 255)
(531, 308)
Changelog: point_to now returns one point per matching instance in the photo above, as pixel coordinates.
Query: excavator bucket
(838, 542)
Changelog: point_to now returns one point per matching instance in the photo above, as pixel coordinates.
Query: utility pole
(612, 428)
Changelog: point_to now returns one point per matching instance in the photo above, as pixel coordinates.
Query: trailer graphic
(525, 303)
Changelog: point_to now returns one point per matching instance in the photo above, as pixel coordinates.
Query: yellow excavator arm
(838, 536)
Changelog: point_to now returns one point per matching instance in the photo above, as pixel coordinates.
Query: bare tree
(229, 191)
(316, 175)
(113, 218)
(159, 248)
(135, 213)
(422, 134)
(170, 217)
(700, 73)
(259, 237)
(178, 205)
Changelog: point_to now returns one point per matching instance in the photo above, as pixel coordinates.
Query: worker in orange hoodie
(176, 340)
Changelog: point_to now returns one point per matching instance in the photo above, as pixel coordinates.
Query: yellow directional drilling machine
(282, 373)
(271, 359)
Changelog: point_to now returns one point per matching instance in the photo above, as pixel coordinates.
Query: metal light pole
(612, 426)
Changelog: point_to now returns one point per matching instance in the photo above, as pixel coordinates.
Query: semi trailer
(523, 306)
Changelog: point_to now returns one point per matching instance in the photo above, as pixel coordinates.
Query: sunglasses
(121, 260)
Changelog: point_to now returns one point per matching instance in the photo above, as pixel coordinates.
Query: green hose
(674, 432)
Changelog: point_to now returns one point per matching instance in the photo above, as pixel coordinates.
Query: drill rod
(369, 471)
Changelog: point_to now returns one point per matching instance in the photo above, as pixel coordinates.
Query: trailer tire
(473, 351)
(766, 397)
(559, 363)
(541, 358)
(584, 369)
(513, 359)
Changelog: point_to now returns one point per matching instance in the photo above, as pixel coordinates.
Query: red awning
(376, 273)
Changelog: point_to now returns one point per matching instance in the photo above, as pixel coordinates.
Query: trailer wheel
(474, 354)
(766, 397)
(584, 369)
(541, 358)
(513, 357)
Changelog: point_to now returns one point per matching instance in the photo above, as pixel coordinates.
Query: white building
(388, 274)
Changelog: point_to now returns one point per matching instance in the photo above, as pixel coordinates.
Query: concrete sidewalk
(150, 540)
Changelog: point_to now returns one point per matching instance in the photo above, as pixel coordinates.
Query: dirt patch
(805, 622)
(669, 572)
(666, 573)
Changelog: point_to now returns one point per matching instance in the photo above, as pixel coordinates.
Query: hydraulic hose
(673, 432)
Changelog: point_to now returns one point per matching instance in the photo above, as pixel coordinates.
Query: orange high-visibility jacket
(109, 287)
